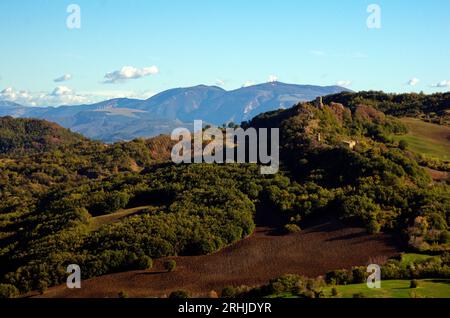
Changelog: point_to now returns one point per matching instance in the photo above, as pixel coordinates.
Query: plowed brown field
(324, 245)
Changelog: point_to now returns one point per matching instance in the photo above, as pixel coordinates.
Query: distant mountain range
(126, 119)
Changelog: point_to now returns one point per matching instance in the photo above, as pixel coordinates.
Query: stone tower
(319, 102)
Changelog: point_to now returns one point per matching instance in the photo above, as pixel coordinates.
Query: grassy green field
(430, 140)
(428, 288)
(410, 258)
(99, 221)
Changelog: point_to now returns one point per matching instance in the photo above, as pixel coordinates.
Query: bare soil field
(437, 175)
(324, 245)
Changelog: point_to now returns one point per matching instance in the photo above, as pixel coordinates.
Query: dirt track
(323, 246)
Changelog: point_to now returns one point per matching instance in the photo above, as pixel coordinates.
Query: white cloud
(442, 84)
(129, 72)
(64, 78)
(63, 95)
(7, 92)
(272, 78)
(21, 97)
(413, 81)
(344, 83)
(61, 90)
(248, 83)
(219, 82)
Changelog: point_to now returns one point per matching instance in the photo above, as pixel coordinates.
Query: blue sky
(218, 42)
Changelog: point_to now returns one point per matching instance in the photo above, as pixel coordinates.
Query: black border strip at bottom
(130, 308)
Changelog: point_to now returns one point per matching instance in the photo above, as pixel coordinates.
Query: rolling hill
(26, 136)
(114, 208)
(124, 208)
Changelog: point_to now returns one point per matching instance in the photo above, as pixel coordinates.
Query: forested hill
(434, 107)
(50, 150)
(347, 160)
(26, 136)
(116, 207)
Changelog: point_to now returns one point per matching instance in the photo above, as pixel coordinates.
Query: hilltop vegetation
(25, 136)
(432, 108)
(48, 202)
(375, 183)
(336, 160)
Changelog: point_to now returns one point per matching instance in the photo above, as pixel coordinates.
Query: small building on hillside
(351, 144)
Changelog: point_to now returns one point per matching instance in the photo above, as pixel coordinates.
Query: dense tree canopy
(66, 200)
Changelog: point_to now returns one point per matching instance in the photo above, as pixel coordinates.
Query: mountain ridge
(125, 119)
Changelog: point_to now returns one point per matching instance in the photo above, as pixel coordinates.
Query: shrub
(170, 265)
(291, 228)
(228, 292)
(42, 286)
(285, 283)
(339, 277)
(444, 237)
(144, 262)
(179, 294)
(374, 227)
(359, 275)
(8, 291)
(123, 294)
(334, 292)
(403, 144)
(414, 283)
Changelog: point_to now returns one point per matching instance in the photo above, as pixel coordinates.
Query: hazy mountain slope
(247, 102)
(126, 119)
(179, 103)
(8, 108)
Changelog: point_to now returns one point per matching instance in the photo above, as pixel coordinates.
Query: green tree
(414, 284)
(334, 292)
(144, 262)
(291, 228)
(179, 294)
(403, 144)
(170, 265)
(8, 291)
